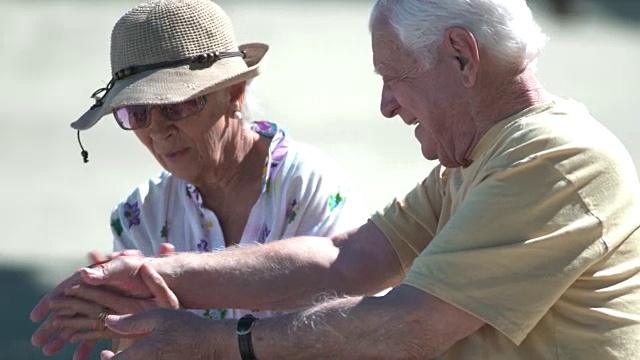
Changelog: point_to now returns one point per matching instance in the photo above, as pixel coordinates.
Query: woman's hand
(51, 340)
(82, 305)
(79, 311)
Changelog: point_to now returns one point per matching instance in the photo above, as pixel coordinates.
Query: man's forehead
(386, 49)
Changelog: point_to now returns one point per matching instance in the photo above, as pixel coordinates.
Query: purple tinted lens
(184, 109)
(131, 117)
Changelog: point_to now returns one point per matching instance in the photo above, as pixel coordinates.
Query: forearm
(286, 274)
(263, 277)
(348, 328)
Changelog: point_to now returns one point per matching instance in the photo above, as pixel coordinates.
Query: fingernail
(112, 318)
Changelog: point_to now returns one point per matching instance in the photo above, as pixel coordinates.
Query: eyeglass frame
(201, 103)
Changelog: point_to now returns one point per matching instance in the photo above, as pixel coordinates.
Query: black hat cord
(132, 70)
(84, 153)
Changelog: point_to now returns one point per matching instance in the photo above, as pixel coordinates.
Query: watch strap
(245, 324)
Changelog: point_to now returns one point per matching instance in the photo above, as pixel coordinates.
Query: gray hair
(251, 108)
(504, 28)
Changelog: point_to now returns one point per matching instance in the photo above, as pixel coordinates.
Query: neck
(238, 175)
(507, 95)
(496, 96)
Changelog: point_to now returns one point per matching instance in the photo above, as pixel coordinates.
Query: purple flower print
(290, 208)
(291, 213)
(132, 214)
(264, 234)
(265, 128)
(203, 246)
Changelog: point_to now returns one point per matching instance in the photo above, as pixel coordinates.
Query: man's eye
(389, 80)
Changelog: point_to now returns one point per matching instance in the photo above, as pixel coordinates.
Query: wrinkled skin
(170, 334)
(71, 309)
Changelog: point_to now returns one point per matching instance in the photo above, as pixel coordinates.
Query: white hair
(251, 108)
(504, 28)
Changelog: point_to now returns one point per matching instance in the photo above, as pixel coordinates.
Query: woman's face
(193, 148)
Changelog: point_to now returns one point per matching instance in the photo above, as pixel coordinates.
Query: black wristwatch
(245, 324)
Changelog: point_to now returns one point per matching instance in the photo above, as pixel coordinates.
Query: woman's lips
(177, 154)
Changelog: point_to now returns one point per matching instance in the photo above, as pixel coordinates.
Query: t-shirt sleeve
(522, 236)
(411, 223)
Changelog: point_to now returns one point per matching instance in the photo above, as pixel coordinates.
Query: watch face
(245, 324)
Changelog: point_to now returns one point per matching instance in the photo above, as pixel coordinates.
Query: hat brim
(177, 84)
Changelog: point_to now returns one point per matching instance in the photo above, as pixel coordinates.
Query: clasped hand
(75, 310)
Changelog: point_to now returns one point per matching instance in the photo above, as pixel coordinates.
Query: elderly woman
(180, 85)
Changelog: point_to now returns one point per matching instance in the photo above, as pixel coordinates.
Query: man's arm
(282, 275)
(407, 323)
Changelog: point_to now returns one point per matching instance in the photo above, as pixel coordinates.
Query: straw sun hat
(168, 51)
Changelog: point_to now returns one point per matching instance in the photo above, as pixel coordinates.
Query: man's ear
(464, 54)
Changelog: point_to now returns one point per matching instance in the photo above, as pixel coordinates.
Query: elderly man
(522, 244)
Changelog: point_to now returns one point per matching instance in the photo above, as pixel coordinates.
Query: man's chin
(428, 154)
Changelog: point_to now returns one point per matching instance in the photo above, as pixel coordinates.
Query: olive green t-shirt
(538, 237)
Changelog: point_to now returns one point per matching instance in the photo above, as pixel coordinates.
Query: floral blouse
(304, 192)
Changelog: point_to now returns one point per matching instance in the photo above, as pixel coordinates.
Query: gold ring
(102, 317)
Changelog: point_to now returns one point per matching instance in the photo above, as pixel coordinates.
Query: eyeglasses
(136, 117)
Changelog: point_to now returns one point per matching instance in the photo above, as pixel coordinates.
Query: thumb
(93, 276)
(96, 258)
(106, 355)
(166, 249)
(164, 297)
(137, 324)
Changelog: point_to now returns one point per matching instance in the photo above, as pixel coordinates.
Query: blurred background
(319, 85)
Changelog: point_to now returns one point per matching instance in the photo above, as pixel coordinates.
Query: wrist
(220, 340)
(244, 330)
(166, 268)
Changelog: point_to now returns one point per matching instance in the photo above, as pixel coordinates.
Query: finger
(120, 273)
(96, 258)
(110, 273)
(84, 349)
(137, 324)
(68, 306)
(93, 276)
(164, 297)
(103, 297)
(44, 332)
(166, 249)
(106, 355)
(41, 310)
(66, 312)
(94, 335)
(127, 252)
(57, 343)
(78, 323)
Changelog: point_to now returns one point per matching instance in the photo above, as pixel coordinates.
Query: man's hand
(123, 269)
(173, 334)
(123, 273)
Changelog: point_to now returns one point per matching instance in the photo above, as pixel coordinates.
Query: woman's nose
(159, 126)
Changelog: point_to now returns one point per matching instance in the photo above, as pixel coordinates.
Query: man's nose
(389, 106)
